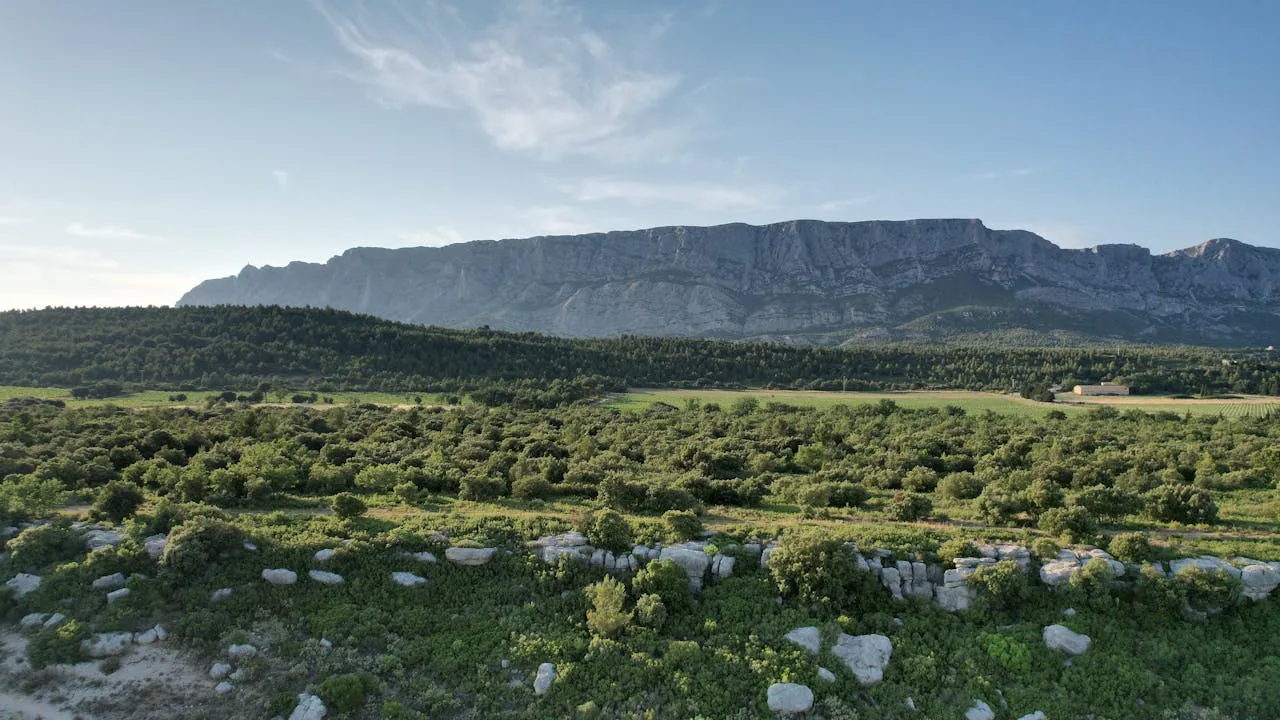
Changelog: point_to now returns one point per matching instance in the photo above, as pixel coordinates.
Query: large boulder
(241, 652)
(107, 644)
(280, 576)
(1259, 580)
(954, 598)
(866, 655)
(1059, 572)
(109, 582)
(1037, 715)
(807, 637)
(324, 555)
(545, 676)
(694, 561)
(469, 556)
(309, 707)
(408, 579)
(117, 595)
(1204, 563)
(325, 578)
(1060, 637)
(31, 620)
(220, 671)
(790, 698)
(979, 711)
(23, 583)
(155, 545)
(826, 675)
(98, 538)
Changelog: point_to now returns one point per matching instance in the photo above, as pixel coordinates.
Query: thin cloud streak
(1002, 174)
(538, 81)
(701, 196)
(109, 232)
(436, 237)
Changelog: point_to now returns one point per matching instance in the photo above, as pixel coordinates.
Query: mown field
(973, 402)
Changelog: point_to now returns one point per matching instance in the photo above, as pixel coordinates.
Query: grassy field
(973, 402)
(161, 398)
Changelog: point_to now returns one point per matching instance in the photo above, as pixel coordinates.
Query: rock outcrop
(543, 678)
(1062, 638)
(790, 698)
(804, 281)
(866, 655)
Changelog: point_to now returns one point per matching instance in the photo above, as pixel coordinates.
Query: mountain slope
(804, 280)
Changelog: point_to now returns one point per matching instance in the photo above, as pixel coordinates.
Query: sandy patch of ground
(153, 681)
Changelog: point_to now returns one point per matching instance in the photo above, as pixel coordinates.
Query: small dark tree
(347, 506)
(117, 501)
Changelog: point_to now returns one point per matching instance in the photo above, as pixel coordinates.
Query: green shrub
(1094, 583)
(999, 504)
(607, 618)
(56, 646)
(1011, 654)
(650, 611)
(682, 524)
(683, 654)
(1181, 503)
(347, 506)
(531, 487)
(43, 545)
(908, 506)
(1208, 590)
(962, 485)
(607, 529)
(406, 492)
(481, 488)
(956, 547)
(117, 500)
(1042, 495)
(1074, 522)
(1003, 585)
(1107, 503)
(920, 480)
(664, 579)
(1131, 547)
(1045, 550)
(347, 692)
(29, 496)
(1156, 593)
(379, 478)
(200, 547)
(847, 494)
(617, 492)
(815, 569)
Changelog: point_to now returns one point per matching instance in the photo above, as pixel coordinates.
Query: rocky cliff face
(806, 281)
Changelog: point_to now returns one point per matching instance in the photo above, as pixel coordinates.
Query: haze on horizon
(147, 146)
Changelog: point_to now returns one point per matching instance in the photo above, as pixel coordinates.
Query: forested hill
(220, 347)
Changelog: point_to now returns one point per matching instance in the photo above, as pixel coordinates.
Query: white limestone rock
(694, 561)
(866, 655)
(109, 582)
(325, 578)
(954, 598)
(979, 711)
(1259, 580)
(408, 579)
(107, 644)
(280, 576)
(249, 546)
(1058, 573)
(1037, 715)
(31, 620)
(161, 633)
(808, 637)
(826, 675)
(98, 538)
(220, 594)
(117, 595)
(1059, 637)
(54, 620)
(324, 555)
(155, 545)
(891, 579)
(309, 707)
(545, 676)
(425, 557)
(223, 687)
(241, 652)
(23, 584)
(790, 698)
(1204, 563)
(220, 671)
(469, 556)
(722, 566)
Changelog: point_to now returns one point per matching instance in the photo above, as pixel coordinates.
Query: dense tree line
(220, 347)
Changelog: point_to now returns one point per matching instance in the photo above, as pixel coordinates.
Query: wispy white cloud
(707, 196)
(63, 275)
(556, 220)
(282, 178)
(108, 232)
(1002, 174)
(436, 237)
(838, 205)
(539, 81)
(12, 221)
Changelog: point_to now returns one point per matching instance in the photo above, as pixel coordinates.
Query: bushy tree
(201, 546)
(43, 545)
(956, 547)
(118, 500)
(481, 488)
(908, 506)
(665, 579)
(1004, 586)
(1107, 503)
(1073, 522)
(606, 529)
(920, 479)
(531, 487)
(606, 618)
(651, 612)
(29, 496)
(407, 493)
(815, 569)
(682, 524)
(1181, 503)
(379, 478)
(962, 485)
(347, 506)
(1131, 547)
(846, 494)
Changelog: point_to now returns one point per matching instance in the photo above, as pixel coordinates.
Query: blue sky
(147, 145)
